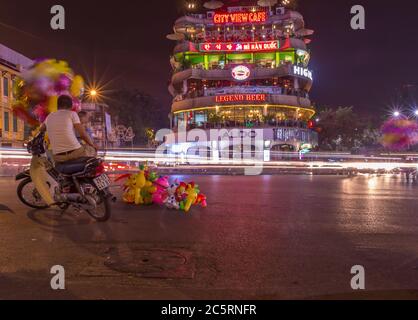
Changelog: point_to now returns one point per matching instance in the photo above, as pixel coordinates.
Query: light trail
(312, 161)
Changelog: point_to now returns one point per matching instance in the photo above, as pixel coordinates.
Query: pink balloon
(63, 83)
(43, 86)
(76, 105)
(41, 113)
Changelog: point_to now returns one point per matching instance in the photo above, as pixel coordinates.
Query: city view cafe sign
(240, 17)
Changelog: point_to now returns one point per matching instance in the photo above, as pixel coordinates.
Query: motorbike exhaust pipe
(72, 197)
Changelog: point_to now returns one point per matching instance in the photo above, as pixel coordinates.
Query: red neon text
(241, 97)
(240, 47)
(240, 17)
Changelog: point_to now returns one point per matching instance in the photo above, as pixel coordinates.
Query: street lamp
(396, 114)
(93, 93)
(416, 113)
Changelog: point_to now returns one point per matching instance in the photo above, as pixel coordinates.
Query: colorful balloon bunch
(38, 90)
(182, 196)
(399, 134)
(146, 188)
(139, 187)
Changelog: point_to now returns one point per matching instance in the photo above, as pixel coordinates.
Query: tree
(138, 110)
(342, 129)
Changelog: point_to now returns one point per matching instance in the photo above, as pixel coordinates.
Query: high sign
(240, 17)
(302, 72)
(241, 98)
(240, 47)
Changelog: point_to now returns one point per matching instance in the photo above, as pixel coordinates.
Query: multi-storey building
(100, 122)
(244, 67)
(11, 128)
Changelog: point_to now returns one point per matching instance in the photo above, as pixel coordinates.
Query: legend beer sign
(302, 72)
(241, 98)
(240, 17)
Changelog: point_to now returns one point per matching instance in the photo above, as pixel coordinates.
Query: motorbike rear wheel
(103, 211)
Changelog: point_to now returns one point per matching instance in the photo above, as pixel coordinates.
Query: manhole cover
(151, 263)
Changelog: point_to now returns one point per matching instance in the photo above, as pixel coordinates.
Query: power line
(19, 30)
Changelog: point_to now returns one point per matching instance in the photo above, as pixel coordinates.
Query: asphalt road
(267, 237)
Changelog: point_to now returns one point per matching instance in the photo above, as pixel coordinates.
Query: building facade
(99, 122)
(12, 129)
(244, 67)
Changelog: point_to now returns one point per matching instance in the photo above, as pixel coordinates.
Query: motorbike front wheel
(27, 193)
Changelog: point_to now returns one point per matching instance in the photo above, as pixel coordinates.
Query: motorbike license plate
(102, 182)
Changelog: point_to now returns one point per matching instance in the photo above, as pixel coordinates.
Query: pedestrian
(86, 124)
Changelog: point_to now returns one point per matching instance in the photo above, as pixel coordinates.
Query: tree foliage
(138, 110)
(343, 129)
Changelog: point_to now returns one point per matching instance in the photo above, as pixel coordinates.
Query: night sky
(125, 42)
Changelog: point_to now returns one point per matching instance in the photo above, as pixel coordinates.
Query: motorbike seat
(73, 166)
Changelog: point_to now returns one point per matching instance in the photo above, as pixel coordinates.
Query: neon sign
(241, 98)
(302, 72)
(240, 17)
(240, 47)
(241, 73)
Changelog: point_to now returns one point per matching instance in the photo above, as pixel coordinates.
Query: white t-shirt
(60, 129)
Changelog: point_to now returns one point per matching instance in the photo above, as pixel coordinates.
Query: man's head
(65, 103)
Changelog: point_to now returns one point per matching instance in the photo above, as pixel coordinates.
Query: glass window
(200, 118)
(13, 86)
(15, 124)
(6, 122)
(5, 87)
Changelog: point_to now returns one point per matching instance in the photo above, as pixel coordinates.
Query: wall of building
(11, 128)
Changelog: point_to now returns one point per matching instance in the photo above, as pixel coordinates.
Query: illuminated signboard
(240, 47)
(240, 17)
(302, 72)
(241, 98)
(241, 73)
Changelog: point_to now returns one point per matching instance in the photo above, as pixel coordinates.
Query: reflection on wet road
(266, 237)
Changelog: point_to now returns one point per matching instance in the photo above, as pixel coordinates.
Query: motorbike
(81, 184)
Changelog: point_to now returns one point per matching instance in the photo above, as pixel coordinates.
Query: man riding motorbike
(61, 127)
(76, 179)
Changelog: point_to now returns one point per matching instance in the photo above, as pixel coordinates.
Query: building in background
(244, 67)
(100, 123)
(12, 129)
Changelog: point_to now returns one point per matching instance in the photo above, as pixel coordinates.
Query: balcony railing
(270, 124)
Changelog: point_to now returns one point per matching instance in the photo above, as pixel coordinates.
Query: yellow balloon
(52, 69)
(77, 86)
(191, 198)
(52, 104)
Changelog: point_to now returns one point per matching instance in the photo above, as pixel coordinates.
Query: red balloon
(23, 114)
(76, 105)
